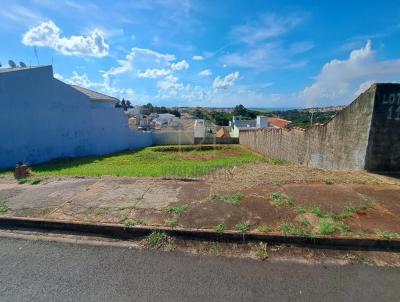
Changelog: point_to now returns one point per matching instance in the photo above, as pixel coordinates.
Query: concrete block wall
(360, 137)
(183, 137)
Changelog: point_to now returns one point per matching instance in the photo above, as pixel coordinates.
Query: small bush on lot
(242, 227)
(263, 228)
(178, 210)
(220, 228)
(230, 199)
(280, 199)
(387, 235)
(156, 238)
(4, 208)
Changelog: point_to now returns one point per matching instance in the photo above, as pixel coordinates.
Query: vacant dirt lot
(263, 197)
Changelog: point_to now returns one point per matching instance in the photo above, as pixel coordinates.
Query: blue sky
(210, 53)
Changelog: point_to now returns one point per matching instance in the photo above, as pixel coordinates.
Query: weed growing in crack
(219, 228)
(261, 251)
(156, 238)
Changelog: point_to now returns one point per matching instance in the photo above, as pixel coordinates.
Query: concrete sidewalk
(146, 201)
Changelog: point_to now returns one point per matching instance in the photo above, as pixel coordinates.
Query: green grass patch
(32, 181)
(220, 228)
(328, 181)
(279, 199)
(129, 223)
(216, 250)
(157, 238)
(371, 201)
(178, 210)
(4, 208)
(299, 210)
(389, 235)
(233, 199)
(317, 211)
(304, 222)
(172, 222)
(150, 162)
(328, 226)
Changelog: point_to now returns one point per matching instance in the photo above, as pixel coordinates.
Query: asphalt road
(32, 270)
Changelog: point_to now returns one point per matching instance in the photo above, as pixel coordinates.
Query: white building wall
(184, 137)
(42, 118)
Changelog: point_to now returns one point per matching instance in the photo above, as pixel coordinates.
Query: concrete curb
(123, 232)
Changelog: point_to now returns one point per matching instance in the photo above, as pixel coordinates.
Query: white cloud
(340, 79)
(47, 34)
(205, 73)
(81, 80)
(182, 65)
(197, 58)
(226, 82)
(140, 55)
(153, 73)
(84, 81)
(266, 27)
(170, 82)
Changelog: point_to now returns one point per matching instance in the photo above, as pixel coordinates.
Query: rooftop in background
(18, 68)
(95, 96)
(278, 122)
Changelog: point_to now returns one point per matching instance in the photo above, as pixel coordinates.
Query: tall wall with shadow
(42, 118)
(365, 135)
